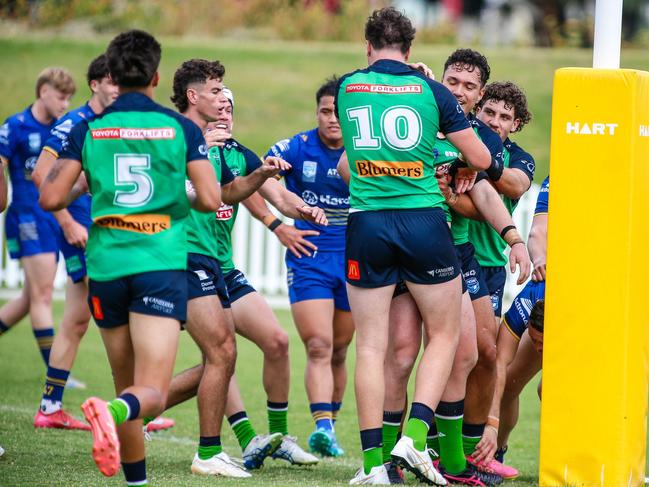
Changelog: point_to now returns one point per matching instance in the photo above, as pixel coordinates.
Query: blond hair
(58, 78)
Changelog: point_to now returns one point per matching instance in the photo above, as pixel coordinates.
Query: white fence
(258, 253)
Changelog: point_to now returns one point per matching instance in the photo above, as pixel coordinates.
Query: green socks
(391, 428)
(208, 446)
(242, 428)
(417, 430)
(277, 417)
(448, 417)
(118, 410)
(432, 442)
(372, 458)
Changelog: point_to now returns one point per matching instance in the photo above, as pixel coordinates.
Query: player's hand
(538, 274)
(464, 179)
(75, 234)
(444, 183)
(423, 68)
(272, 166)
(293, 239)
(217, 135)
(518, 256)
(313, 213)
(486, 447)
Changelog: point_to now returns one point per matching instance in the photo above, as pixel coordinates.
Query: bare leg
(343, 333)
(255, 321)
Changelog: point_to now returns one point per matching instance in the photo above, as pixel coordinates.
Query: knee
(487, 356)
(401, 363)
(466, 359)
(276, 347)
(41, 295)
(79, 328)
(221, 350)
(339, 355)
(318, 349)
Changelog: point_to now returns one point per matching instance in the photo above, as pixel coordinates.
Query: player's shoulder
(19, 119)
(545, 185)
(516, 151)
(294, 143)
(488, 136)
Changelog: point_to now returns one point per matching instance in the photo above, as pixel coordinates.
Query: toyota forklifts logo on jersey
(595, 128)
(383, 89)
(134, 133)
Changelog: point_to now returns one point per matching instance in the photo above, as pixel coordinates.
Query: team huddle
(402, 199)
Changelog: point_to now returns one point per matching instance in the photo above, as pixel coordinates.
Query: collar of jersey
(390, 66)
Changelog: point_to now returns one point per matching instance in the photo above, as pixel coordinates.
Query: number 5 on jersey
(131, 172)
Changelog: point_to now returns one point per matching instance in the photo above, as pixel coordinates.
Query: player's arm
(75, 233)
(537, 244)
(513, 183)
(490, 205)
(207, 191)
(290, 204)
(292, 238)
(507, 345)
(242, 187)
(60, 187)
(3, 184)
(343, 168)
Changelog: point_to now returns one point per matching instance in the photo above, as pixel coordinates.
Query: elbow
(50, 201)
(211, 202)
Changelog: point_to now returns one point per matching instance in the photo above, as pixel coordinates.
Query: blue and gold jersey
(518, 315)
(21, 141)
(315, 179)
(80, 208)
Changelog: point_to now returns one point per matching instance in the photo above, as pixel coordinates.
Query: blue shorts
(204, 278)
(387, 246)
(472, 275)
(495, 278)
(321, 276)
(238, 285)
(30, 231)
(158, 293)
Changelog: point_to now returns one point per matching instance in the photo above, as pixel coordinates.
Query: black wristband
(274, 224)
(495, 171)
(504, 231)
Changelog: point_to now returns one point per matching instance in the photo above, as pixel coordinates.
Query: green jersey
(202, 228)
(489, 246)
(241, 161)
(390, 115)
(134, 156)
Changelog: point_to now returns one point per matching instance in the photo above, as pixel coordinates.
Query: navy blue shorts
(474, 280)
(321, 276)
(30, 231)
(158, 293)
(387, 246)
(204, 278)
(238, 285)
(495, 278)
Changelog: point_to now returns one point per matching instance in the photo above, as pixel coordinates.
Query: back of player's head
(512, 95)
(537, 315)
(389, 28)
(98, 69)
(58, 78)
(327, 89)
(133, 58)
(468, 59)
(190, 72)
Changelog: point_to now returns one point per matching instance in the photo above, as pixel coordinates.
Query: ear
(516, 125)
(407, 54)
(192, 96)
(481, 94)
(93, 85)
(368, 49)
(156, 79)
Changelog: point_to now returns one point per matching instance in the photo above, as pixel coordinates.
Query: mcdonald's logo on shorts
(97, 312)
(353, 271)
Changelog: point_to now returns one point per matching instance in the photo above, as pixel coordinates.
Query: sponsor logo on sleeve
(158, 133)
(406, 169)
(148, 224)
(383, 89)
(225, 212)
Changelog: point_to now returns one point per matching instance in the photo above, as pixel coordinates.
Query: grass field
(274, 85)
(275, 82)
(48, 457)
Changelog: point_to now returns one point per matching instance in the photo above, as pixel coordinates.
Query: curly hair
(537, 316)
(512, 95)
(389, 28)
(190, 72)
(468, 59)
(133, 58)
